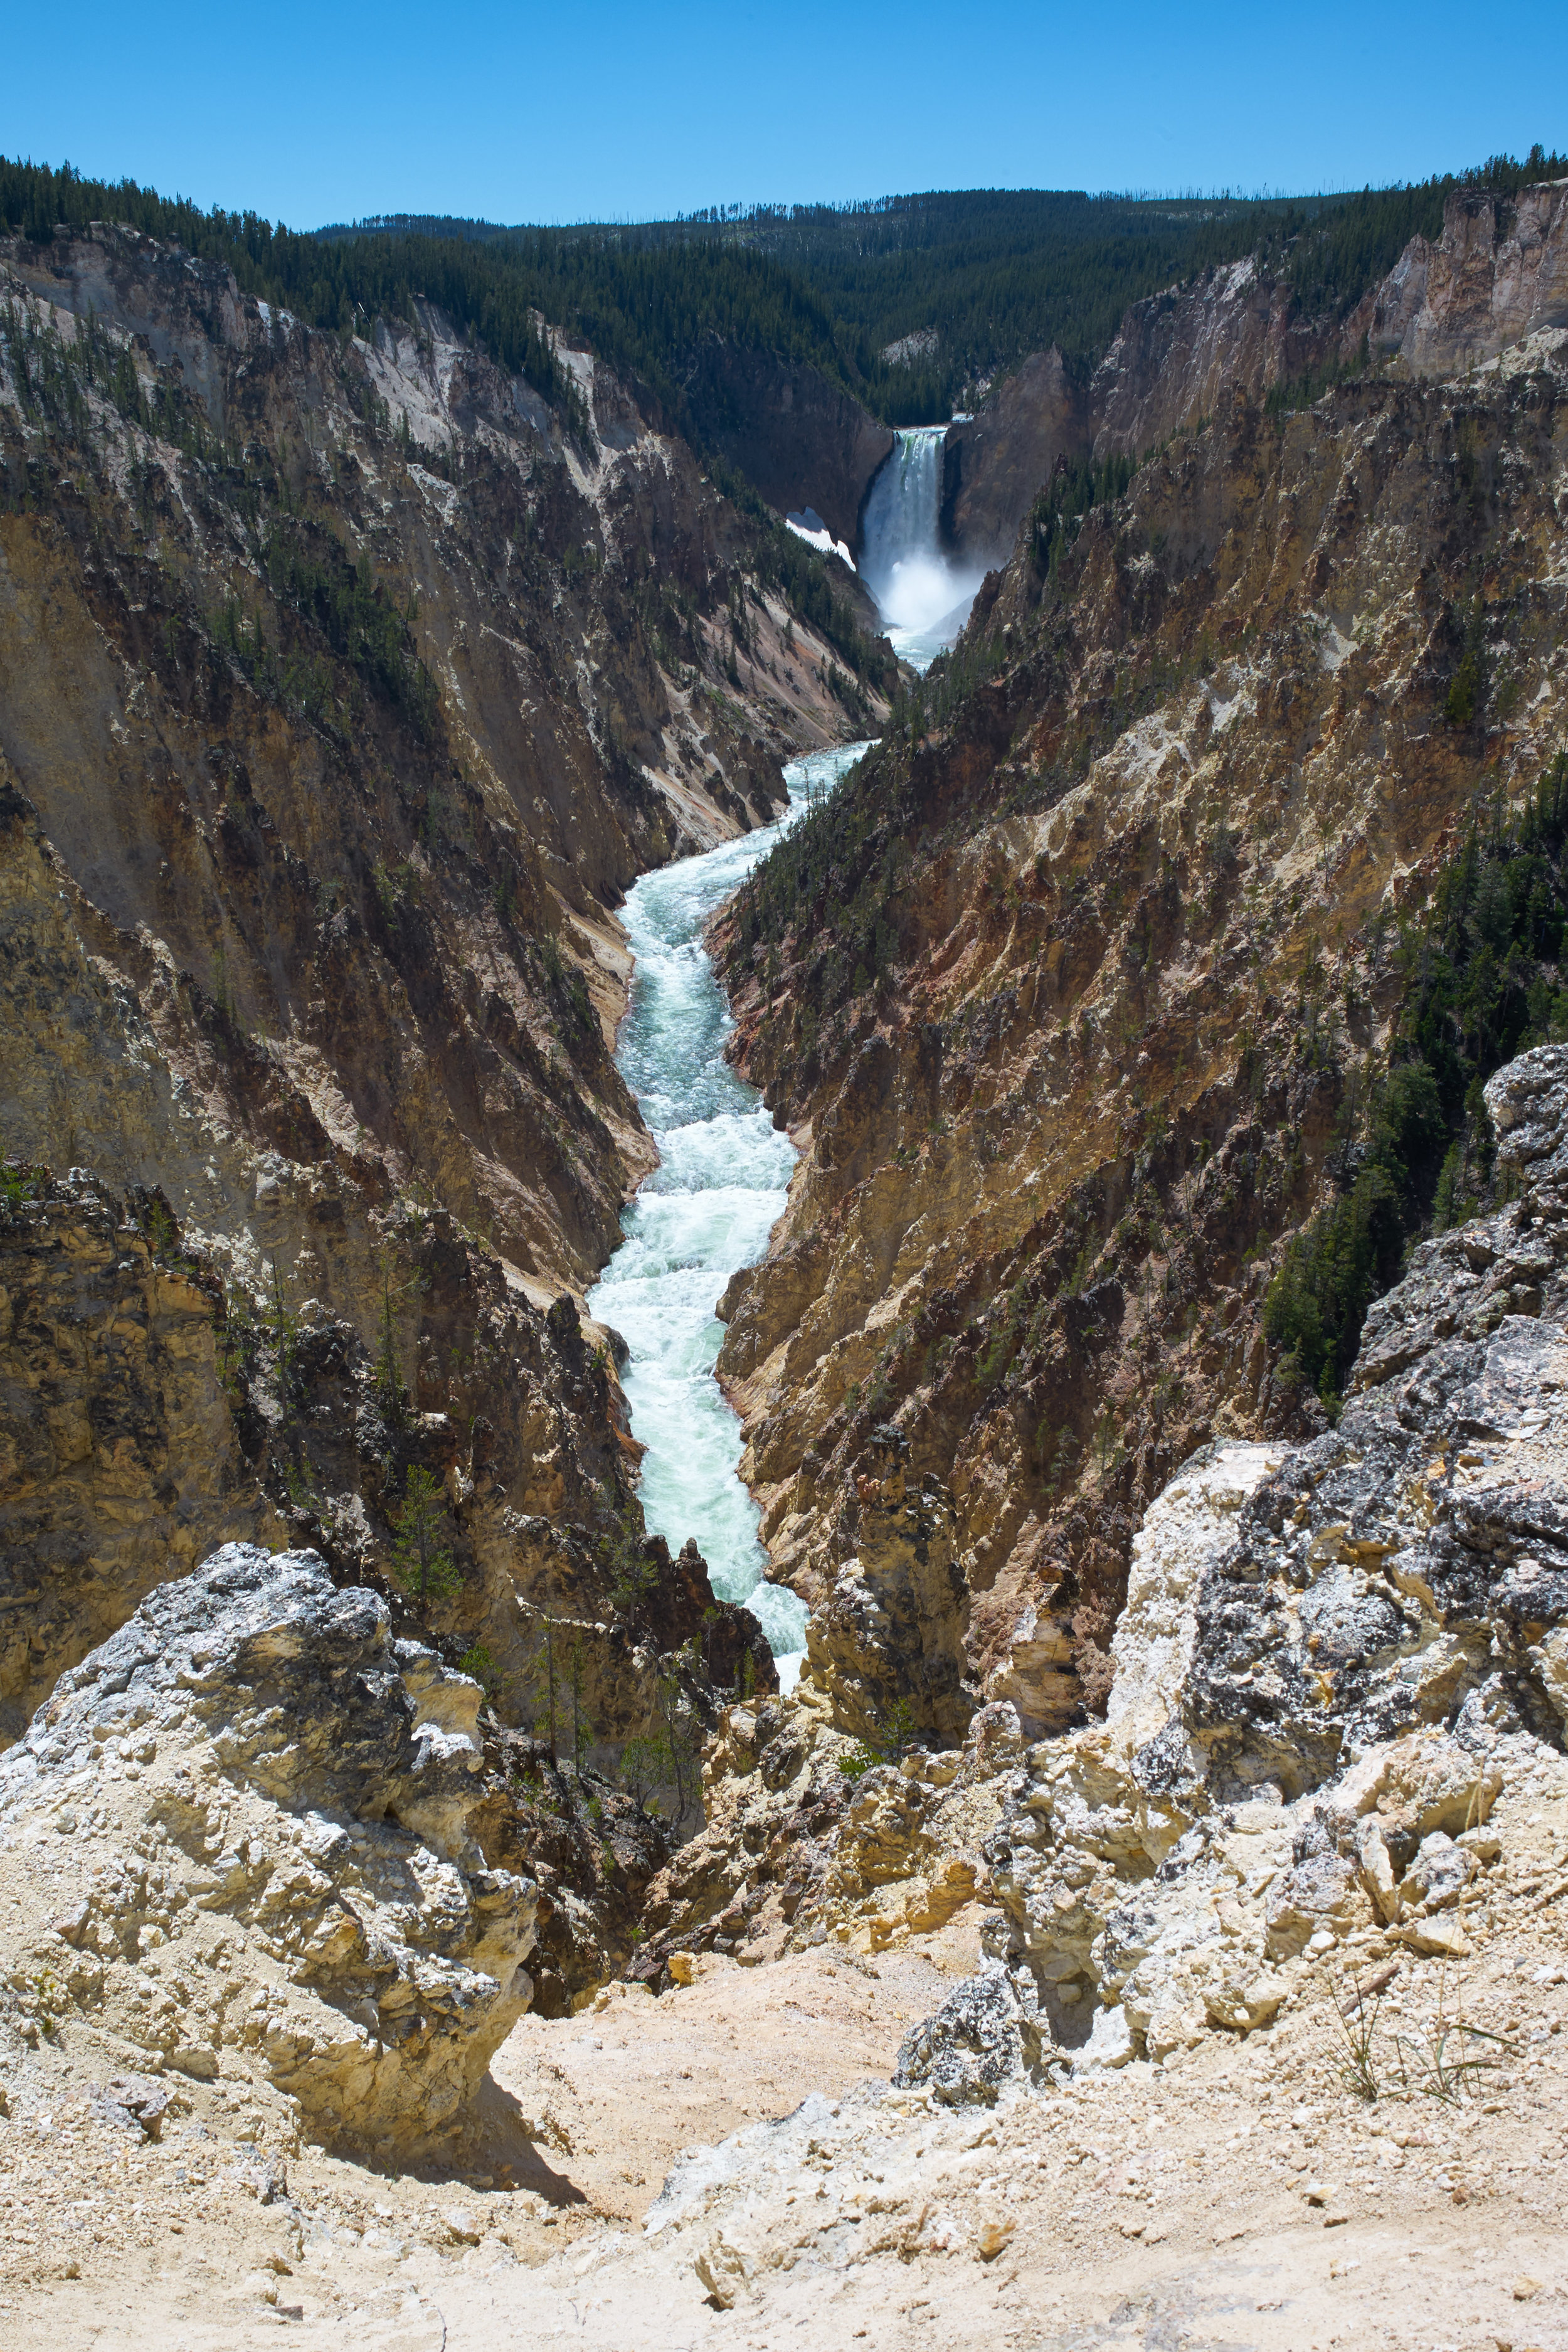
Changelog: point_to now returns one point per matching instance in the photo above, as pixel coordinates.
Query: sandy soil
(616, 2095)
(1242, 2195)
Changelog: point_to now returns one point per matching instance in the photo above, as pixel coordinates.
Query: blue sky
(315, 113)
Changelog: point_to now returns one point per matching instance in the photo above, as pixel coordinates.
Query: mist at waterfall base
(922, 596)
(705, 1210)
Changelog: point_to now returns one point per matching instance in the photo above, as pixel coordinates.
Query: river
(724, 1168)
(707, 1210)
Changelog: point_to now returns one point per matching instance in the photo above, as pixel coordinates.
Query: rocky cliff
(994, 465)
(1077, 995)
(1329, 1663)
(1496, 275)
(426, 629)
(251, 1809)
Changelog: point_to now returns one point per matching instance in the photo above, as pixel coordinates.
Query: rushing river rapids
(724, 1168)
(705, 1210)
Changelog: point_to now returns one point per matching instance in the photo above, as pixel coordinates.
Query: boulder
(237, 1839)
(979, 2041)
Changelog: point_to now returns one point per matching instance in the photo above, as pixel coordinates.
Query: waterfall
(923, 597)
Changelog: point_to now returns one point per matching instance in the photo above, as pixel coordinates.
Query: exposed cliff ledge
(1498, 274)
(1181, 356)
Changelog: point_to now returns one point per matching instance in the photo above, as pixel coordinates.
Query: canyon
(1142, 1758)
(338, 714)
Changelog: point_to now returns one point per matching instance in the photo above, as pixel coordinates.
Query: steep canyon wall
(1077, 997)
(345, 686)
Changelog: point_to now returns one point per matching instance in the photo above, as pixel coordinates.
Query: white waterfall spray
(923, 598)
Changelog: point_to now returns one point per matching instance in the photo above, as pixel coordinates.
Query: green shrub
(479, 1663)
(894, 1732)
(20, 1182)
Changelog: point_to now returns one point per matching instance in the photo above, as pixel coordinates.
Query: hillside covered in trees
(966, 283)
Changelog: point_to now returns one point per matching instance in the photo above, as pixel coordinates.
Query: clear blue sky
(310, 113)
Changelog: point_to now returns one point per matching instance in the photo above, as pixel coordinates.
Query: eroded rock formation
(252, 1811)
(1073, 997)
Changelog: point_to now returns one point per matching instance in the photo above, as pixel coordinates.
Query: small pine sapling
(426, 1568)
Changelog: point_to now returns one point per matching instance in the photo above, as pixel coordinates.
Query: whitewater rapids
(706, 1211)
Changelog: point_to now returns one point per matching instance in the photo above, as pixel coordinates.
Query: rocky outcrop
(1498, 274)
(993, 466)
(1184, 355)
(810, 1835)
(977, 2045)
(885, 1642)
(238, 1841)
(1410, 1566)
(801, 440)
(1330, 1664)
(775, 1799)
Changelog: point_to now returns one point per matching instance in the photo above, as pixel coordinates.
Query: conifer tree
(426, 1567)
